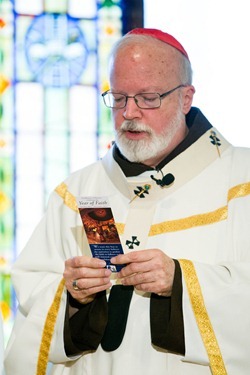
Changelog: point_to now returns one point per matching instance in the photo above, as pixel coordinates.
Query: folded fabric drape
(118, 308)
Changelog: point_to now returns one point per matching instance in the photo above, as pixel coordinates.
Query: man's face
(148, 135)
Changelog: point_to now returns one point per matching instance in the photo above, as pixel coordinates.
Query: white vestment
(202, 219)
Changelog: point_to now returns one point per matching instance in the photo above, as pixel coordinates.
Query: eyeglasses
(147, 100)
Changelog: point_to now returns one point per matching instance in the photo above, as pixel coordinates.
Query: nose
(131, 110)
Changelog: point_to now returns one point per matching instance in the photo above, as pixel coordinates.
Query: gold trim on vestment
(204, 324)
(239, 191)
(220, 214)
(69, 199)
(207, 218)
(48, 331)
(189, 222)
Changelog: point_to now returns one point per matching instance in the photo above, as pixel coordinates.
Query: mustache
(134, 126)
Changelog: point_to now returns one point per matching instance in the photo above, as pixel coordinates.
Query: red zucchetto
(158, 34)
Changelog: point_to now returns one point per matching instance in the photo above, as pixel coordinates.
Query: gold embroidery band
(220, 214)
(69, 199)
(48, 331)
(189, 222)
(204, 324)
(239, 191)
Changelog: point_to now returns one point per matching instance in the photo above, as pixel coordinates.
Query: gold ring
(74, 284)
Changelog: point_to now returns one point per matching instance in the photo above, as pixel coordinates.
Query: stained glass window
(53, 67)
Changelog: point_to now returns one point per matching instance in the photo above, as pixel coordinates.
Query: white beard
(145, 149)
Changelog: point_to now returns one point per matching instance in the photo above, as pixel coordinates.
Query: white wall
(216, 35)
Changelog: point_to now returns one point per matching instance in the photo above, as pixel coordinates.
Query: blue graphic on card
(105, 252)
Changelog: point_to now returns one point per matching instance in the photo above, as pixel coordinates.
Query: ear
(188, 94)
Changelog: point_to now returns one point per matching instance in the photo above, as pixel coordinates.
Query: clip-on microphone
(165, 181)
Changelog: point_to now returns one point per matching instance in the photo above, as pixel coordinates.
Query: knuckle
(133, 256)
(142, 287)
(76, 261)
(133, 267)
(141, 277)
(83, 272)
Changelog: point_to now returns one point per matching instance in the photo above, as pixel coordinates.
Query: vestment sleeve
(216, 306)
(84, 330)
(216, 299)
(166, 317)
(37, 277)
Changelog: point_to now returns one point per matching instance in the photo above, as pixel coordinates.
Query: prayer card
(99, 225)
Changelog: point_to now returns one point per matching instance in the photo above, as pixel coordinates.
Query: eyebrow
(142, 91)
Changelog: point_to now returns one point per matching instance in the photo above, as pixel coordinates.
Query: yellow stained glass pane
(56, 6)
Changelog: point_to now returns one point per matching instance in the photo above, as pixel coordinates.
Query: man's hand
(89, 277)
(148, 270)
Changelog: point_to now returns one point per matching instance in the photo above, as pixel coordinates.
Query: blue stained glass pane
(56, 49)
(22, 70)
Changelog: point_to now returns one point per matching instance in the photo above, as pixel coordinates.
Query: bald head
(158, 54)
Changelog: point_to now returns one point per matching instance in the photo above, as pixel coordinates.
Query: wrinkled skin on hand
(91, 277)
(147, 270)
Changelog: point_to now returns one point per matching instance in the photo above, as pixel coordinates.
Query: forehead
(152, 57)
(148, 63)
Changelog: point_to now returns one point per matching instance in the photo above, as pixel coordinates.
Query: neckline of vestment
(184, 167)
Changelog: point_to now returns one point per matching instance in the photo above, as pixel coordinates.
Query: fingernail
(101, 263)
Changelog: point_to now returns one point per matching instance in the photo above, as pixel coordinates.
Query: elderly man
(180, 196)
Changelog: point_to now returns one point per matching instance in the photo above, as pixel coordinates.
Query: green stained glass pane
(56, 6)
(6, 51)
(6, 110)
(5, 288)
(6, 294)
(108, 3)
(6, 204)
(6, 230)
(6, 174)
